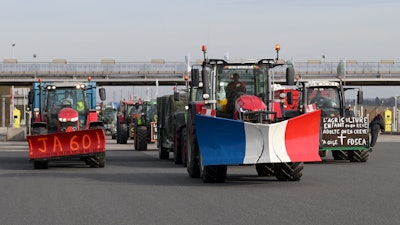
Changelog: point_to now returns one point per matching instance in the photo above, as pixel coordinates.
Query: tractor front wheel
(289, 171)
(358, 156)
(265, 169)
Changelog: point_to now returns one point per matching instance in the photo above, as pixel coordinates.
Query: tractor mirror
(176, 96)
(289, 97)
(195, 73)
(360, 97)
(290, 75)
(102, 92)
(31, 96)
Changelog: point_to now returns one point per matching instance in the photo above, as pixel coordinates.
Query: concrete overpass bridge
(109, 72)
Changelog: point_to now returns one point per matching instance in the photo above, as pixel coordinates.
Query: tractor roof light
(278, 47)
(204, 48)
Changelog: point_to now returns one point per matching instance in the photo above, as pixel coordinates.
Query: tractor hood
(68, 114)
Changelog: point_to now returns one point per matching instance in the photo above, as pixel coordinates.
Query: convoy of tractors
(230, 113)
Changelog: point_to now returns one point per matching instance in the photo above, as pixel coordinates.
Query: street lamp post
(34, 62)
(12, 51)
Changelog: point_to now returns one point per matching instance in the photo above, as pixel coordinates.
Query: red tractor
(64, 124)
(132, 123)
(242, 125)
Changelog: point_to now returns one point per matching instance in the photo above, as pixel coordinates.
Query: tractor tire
(40, 164)
(162, 152)
(39, 130)
(192, 154)
(141, 138)
(289, 171)
(358, 156)
(322, 153)
(340, 155)
(183, 145)
(265, 169)
(213, 174)
(96, 161)
(177, 147)
(122, 134)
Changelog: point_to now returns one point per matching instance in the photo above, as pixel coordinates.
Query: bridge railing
(311, 68)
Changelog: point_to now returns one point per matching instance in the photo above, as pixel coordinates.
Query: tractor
(132, 122)
(236, 122)
(343, 133)
(64, 123)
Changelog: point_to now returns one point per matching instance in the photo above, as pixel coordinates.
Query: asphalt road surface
(138, 188)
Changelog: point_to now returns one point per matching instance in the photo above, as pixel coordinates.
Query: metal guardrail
(386, 72)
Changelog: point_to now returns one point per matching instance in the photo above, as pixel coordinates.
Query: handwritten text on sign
(66, 144)
(345, 131)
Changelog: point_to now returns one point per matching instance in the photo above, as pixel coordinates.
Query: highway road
(138, 188)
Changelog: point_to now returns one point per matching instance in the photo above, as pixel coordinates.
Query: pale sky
(138, 31)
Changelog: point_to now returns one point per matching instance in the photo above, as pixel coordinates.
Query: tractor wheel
(177, 147)
(141, 138)
(322, 153)
(122, 134)
(289, 171)
(40, 164)
(183, 145)
(340, 155)
(162, 152)
(213, 174)
(358, 156)
(265, 169)
(192, 154)
(39, 130)
(96, 161)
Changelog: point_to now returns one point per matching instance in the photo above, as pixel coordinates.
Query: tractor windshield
(325, 98)
(59, 98)
(253, 76)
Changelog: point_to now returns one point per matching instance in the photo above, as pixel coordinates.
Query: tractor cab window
(236, 80)
(326, 99)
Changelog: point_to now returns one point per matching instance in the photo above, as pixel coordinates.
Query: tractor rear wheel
(340, 155)
(39, 130)
(289, 171)
(177, 147)
(358, 156)
(162, 152)
(265, 169)
(141, 138)
(183, 146)
(192, 154)
(122, 134)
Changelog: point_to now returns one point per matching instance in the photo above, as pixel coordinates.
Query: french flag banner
(232, 142)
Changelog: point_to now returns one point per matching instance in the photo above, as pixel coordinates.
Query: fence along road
(109, 72)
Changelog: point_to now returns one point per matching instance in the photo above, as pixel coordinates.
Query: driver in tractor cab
(318, 99)
(233, 90)
(67, 100)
